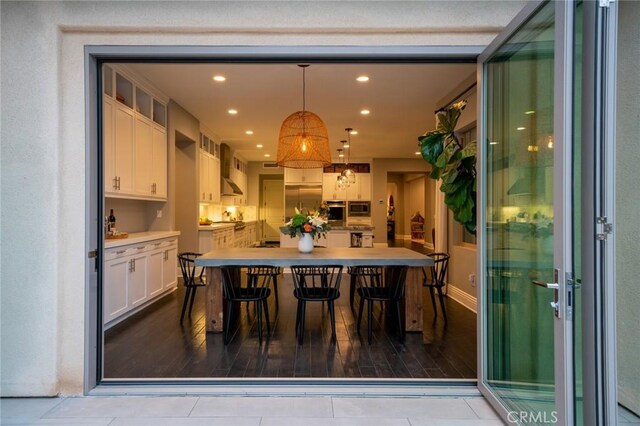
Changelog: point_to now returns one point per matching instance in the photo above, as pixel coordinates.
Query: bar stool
(435, 279)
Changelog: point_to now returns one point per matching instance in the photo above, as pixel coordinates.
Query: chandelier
(348, 173)
(304, 139)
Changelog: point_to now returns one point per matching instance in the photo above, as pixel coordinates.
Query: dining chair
(433, 277)
(233, 292)
(255, 273)
(191, 279)
(316, 284)
(378, 284)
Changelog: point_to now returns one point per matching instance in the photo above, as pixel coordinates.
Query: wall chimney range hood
(227, 185)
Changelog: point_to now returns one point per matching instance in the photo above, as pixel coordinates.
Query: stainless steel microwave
(359, 209)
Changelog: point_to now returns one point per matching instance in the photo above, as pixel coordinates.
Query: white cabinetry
(209, 170)
(135, 139)
(302, 176)
(137, 274)
(361, 189)
(338, 238)
(329, 190)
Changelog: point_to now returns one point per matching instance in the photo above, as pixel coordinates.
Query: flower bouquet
(306, 225)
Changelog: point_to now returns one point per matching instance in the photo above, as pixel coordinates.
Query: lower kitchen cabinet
(136, 274)
(227, 238)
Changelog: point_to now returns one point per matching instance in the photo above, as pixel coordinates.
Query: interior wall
(414, 199)
(46, 157)
(184, 134)
(380, 169)
(396, 182)
(256, 174)
(626, 227)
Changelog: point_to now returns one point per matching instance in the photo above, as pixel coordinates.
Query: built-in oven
(359, 209)
(337, 212)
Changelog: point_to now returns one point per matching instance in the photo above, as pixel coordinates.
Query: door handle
(555, 286)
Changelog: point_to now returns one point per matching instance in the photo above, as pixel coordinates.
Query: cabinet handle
(119, 183)
(120, 251)
(115, 182)
(210, 196)
(134, 264)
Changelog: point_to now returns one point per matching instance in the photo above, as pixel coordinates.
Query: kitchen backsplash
(216, 212)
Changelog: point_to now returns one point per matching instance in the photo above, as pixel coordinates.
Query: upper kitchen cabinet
(134, 137)
(361, 190)
(302, 176)
(329, 189)
(209, 170)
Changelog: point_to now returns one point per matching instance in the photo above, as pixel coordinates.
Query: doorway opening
(221, 131)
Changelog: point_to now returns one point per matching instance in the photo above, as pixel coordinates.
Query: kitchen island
(286, 257)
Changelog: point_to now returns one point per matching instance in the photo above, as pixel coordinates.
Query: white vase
(305, 243)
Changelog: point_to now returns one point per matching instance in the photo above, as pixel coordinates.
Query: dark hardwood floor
(152, 343)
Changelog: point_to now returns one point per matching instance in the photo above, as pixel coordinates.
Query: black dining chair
(255, 273)
(433, 277)
(378, 284)
(191, 279)
(316, 284)
(233, 292)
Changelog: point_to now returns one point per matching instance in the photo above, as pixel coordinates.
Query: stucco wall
(43, 148)
(628, 205)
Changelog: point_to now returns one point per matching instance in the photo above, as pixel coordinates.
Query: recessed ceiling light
(259, 145)
(521, 128)
(267, 155)
(219, 78)
(353, 132)
(493, 143)
(249, 132)
(362, 78)
(365, 112)
(417, 153)
(233, 111)
(341, 155)
(345, 145)
(530, 112)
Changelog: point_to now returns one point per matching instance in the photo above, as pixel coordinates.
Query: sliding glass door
(526, 216)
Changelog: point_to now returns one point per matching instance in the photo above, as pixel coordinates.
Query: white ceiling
(401, 97)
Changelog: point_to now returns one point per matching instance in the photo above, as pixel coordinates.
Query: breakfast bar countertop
(384, 256)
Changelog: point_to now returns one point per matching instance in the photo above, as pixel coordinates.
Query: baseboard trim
(429, 246)
(465, 299)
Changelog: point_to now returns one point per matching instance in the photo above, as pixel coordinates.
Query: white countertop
(140, 237)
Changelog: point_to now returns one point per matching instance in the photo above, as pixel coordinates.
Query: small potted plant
(307, 226)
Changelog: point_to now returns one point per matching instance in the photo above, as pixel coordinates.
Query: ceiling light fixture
(365, 112)
(267, 155)
(493, 143)
(363, 78)
(259, 145)
(530, 112)
(304, 139)
(233, 111)
(521, 128)
(219, 78)
(354, 132)
(249, 132)
(417, 153)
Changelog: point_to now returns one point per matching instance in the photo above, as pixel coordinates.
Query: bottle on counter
(112, 223)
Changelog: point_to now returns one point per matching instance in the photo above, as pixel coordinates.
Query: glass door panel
(519, 355)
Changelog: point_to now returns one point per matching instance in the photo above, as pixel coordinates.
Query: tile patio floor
(248, 410)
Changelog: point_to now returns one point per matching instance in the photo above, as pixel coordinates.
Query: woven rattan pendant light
(304, 139)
